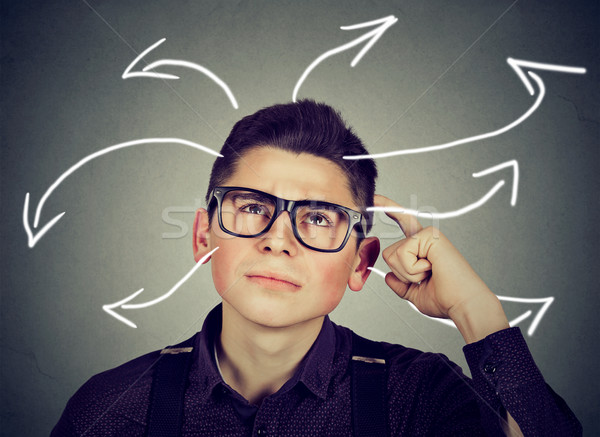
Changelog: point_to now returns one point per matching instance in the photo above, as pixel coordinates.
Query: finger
(400, 255)
(411, 278)
(405, 263)
(400, 287)
(407, 222)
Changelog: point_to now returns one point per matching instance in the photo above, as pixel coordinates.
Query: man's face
(274, 280)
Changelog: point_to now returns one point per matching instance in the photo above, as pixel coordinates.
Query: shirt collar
(204, 368)
(314, 371)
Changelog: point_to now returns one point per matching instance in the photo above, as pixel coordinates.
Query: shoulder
(409, 368)
(398, 357)
(134, 373)
(133, 377)
(112, 401)
(122, 391)
(430, 374)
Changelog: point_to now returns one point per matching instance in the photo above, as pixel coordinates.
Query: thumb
(400, 287)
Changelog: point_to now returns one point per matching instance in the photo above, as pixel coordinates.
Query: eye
(317, 220)
(255, 208)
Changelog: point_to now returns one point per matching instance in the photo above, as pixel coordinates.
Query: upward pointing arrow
(458, 212)
(544, 301)
(515, 64)
(373, 35)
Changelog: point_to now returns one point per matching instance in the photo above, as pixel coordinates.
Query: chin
(273, 317)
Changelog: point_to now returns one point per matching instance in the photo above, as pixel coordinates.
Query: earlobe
(201, 234)
(366, 256)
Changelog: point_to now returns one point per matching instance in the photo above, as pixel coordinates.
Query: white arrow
(545, 301)
(516, 64)
(127, 74)
(444, 215)
(33, 239)
(110, 308)
(374, 35)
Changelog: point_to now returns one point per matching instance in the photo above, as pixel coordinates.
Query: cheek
(220, 280)
(223, 263)
(219, 276)
(331, 301)
(334, 270)
(333, 280)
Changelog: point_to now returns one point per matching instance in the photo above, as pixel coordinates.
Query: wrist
(479, 317)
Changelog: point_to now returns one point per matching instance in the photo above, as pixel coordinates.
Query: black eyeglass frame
(355, 218)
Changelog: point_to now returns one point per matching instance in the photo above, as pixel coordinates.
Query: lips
(274, 280)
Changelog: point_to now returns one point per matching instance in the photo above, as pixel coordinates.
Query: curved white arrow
(516, 64)
(545, 301)
(444, 215)
(110, 308)
(374, 35)
(127, 74)
(33, 239)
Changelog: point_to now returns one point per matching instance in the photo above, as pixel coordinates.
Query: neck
(256, 360)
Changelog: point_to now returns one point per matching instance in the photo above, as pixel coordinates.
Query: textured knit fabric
(426, 395)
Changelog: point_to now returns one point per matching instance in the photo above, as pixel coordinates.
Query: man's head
(302, 127)
(292, 152)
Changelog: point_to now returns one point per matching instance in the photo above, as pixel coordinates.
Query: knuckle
(432, 232)
(391, 252)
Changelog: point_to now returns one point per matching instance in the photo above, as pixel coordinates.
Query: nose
(280, 239)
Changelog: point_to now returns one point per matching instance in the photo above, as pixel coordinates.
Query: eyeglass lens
(248, 213)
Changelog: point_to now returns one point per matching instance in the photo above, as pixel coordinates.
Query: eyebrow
(249, 195)
(267, 197)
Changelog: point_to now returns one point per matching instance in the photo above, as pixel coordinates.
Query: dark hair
(302, 127)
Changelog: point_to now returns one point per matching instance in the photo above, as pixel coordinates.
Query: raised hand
(428, 271)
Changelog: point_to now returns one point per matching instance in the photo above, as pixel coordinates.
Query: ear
(366, 255)
(201, 234)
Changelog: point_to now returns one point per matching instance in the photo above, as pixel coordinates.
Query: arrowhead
(145, 72)
(515, 165)
(127, 74)
(519, 64)
(374, 35)
(33, 239)
(109, 308)
(384, 23)
(545, 301)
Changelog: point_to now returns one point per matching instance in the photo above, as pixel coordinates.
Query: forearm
(479, 317)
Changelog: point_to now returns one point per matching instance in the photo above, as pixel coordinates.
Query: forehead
(292, 176)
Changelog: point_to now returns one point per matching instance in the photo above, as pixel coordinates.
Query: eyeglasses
(321, 226)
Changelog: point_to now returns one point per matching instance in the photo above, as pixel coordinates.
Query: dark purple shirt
(427, 394)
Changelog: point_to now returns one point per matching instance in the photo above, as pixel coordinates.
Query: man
(285, 227)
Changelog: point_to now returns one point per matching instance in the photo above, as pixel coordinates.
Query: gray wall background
(439, 74)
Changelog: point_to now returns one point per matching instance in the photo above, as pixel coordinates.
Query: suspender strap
(369, 383)
(169, 382)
